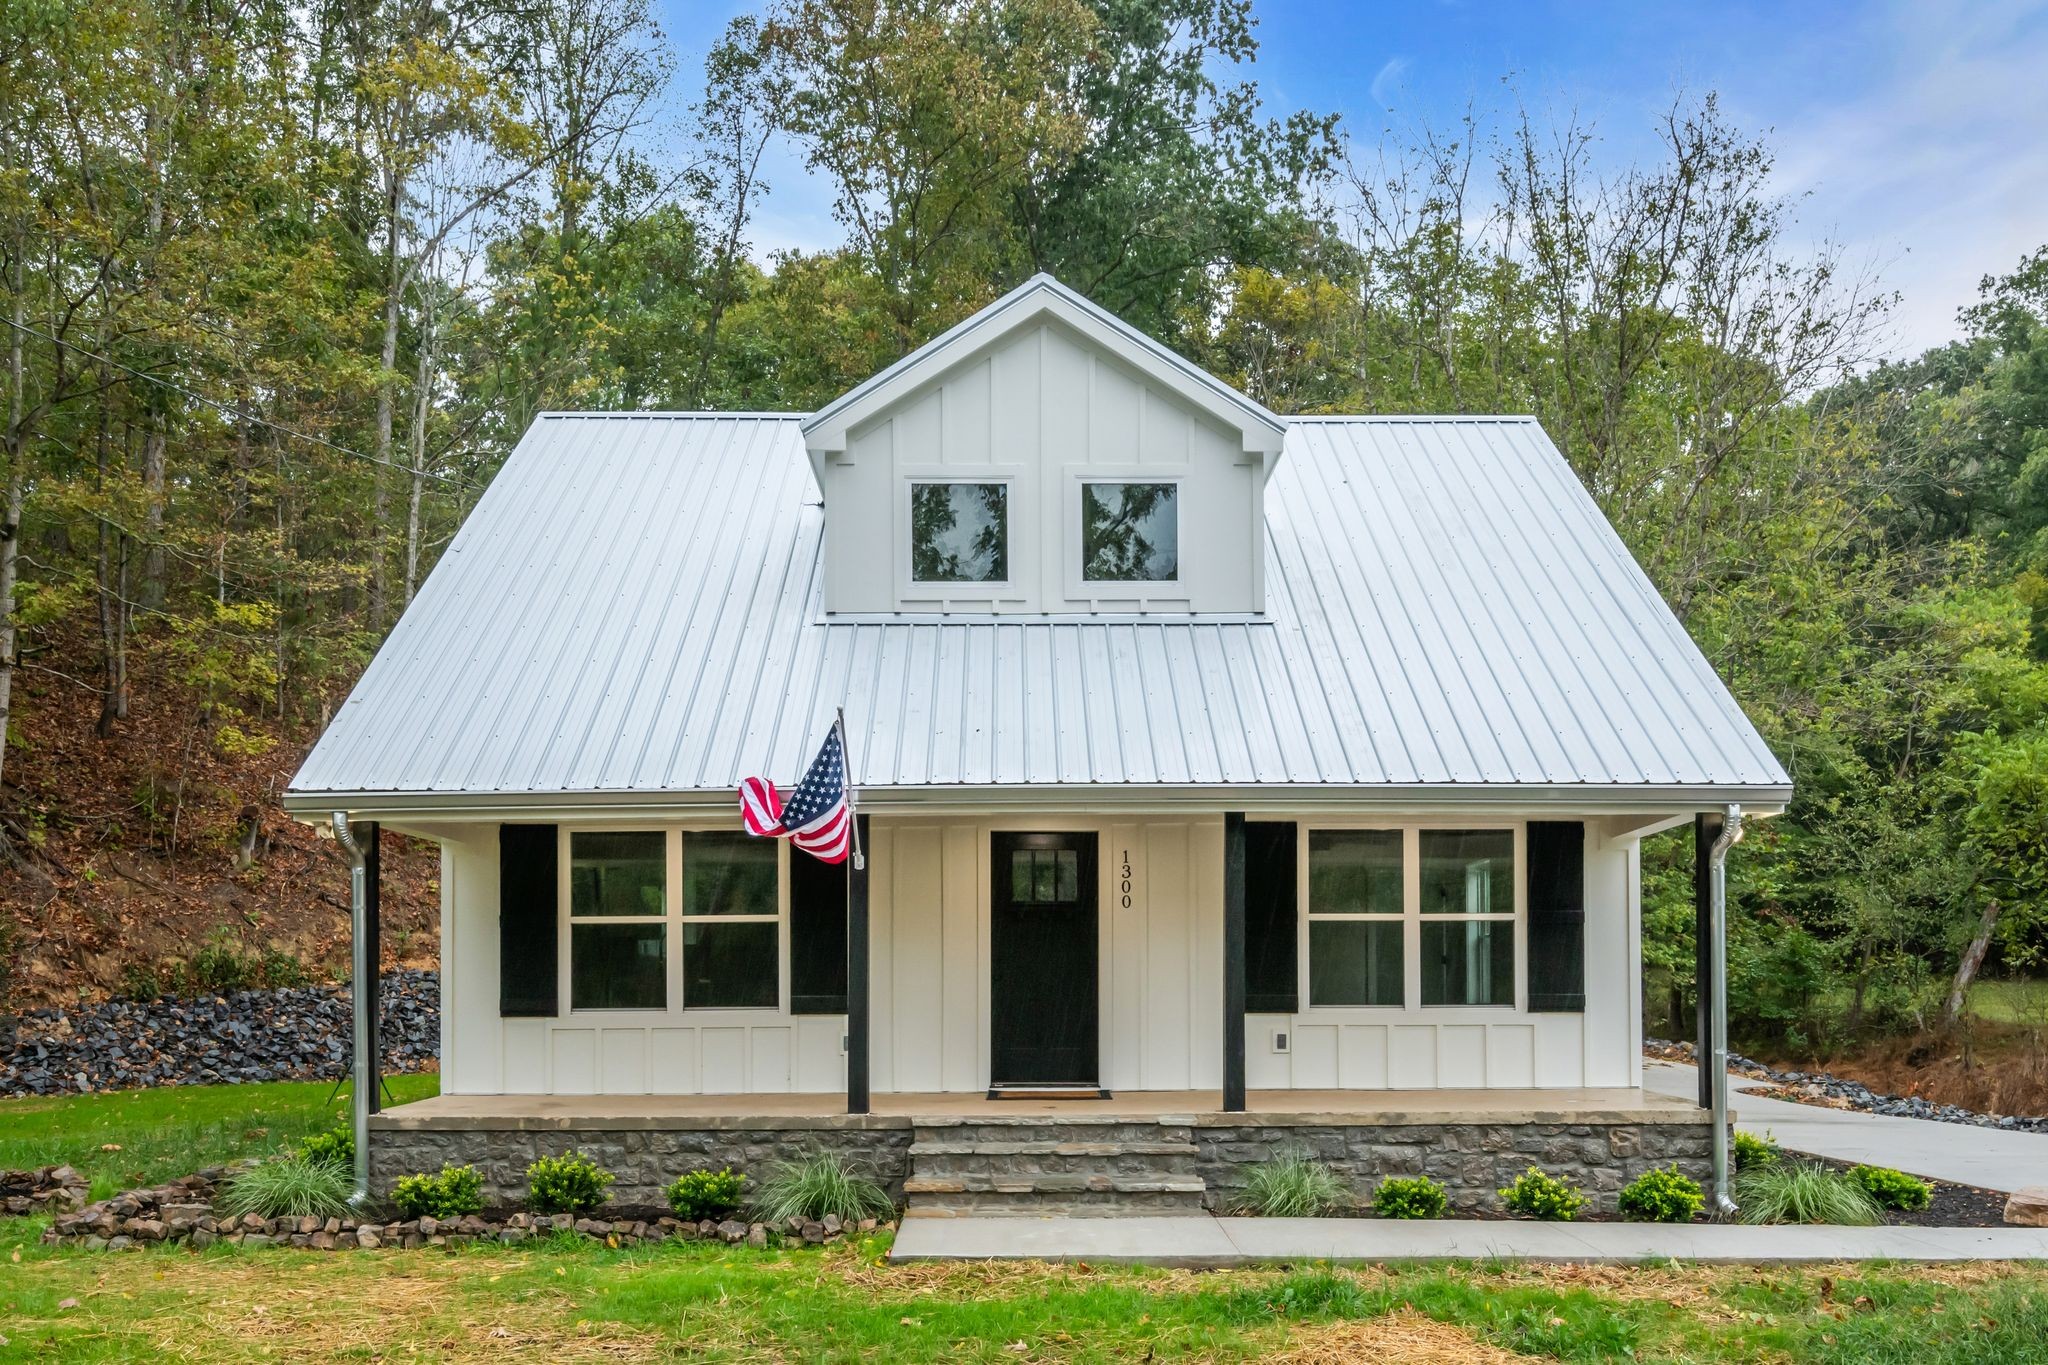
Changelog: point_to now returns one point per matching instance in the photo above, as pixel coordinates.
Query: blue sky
(1915, 133)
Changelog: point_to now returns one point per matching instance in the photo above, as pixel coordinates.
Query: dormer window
(1130, 532)
(959, 532)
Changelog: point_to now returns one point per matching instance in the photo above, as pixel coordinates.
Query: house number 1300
(1124, 886)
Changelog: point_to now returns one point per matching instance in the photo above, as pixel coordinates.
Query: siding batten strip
(857, 978)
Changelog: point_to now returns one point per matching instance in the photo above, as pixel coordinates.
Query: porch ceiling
(1203, 1108)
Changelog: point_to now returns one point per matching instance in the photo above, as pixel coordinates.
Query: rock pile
(300, 1033)
(47, 1189)
(182, 1210)
(1834, 1092)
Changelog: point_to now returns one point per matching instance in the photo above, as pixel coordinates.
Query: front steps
(1052, 1167)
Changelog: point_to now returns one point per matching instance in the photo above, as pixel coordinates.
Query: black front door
(1042, 958)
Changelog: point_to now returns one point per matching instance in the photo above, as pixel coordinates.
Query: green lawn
(139, 1137)
(2010, 1002)
(574, 1301)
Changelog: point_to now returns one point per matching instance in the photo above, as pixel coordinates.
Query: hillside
(164, 843)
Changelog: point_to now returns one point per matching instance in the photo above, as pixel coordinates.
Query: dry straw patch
(1403, 1335)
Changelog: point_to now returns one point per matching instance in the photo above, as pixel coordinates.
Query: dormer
(1043, 458)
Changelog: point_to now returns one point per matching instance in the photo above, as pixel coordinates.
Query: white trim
(1150, 594)
(931, 595)
(825, 431)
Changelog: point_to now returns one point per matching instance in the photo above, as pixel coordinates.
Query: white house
(1205, 757)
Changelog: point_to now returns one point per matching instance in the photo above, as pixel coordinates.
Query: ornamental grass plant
(1292, 1184)
(816, 1185)
(289, 1187)
(1803, 1192)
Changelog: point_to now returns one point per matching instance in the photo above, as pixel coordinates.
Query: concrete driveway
(1961, 1153)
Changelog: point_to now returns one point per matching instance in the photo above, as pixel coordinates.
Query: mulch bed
(1954, 1206)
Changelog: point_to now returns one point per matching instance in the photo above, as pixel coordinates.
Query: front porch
(1158, 1152)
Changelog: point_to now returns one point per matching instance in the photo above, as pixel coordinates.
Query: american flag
(815, 818)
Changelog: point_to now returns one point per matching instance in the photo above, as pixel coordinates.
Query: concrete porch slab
(1196, 1107)
(1222, 1242)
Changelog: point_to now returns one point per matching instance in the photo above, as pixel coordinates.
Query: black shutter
(1557, 916)
(1272, 977)
(528, 950)
(817, 935)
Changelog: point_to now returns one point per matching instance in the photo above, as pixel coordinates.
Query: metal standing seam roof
(634, 606)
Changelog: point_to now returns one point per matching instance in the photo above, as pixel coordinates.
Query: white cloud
(1937, 168)
(1387, 81)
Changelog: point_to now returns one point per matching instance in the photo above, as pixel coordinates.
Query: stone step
(1054, 1182)
(1052, 1147)
(1054, 1159)
(1080, 1205)
(1034, 1129)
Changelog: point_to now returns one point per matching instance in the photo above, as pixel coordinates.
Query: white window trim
(923, 594)
(1411, 920)
(1146, 592)
(673, 1011)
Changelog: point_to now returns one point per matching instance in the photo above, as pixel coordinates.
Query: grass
(573, 1300)
(290, 1187)
(141, 1137)
(1292, 1185)
(701, 1302)
(2009, 1002)
(820, 1184)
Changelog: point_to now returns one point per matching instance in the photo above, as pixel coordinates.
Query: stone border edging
(181, 1210)
(46, 1189)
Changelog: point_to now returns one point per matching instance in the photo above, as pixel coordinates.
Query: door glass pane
(730, 966)
(959, 532)
(1070, 875)
(1468, 962)
(618, 966)
(728, 874)
(618, 874)
(1045, 876)
(1354, 872)
(1354, 962)
(1020, 876)
(1130, 532)
(1468, 872)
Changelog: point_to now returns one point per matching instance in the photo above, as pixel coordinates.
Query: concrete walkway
(1961, 1153)
(1207, 1242)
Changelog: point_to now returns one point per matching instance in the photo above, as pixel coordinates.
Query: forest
(284, 283)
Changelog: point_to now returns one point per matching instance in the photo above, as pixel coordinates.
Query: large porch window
(657, 916)
(1399, 916)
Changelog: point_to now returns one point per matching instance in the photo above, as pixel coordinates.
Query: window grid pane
(729, 965)
(618, 874)
(728, 874)
(1468, 872)
(1130, 532)
(618, 966)
(1354, 962)
(959, 532)
(1354, 872)
(1468, 962)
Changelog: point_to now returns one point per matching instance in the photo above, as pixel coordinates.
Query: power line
(236, 413)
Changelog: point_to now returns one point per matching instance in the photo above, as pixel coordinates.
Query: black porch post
(857, 977)
(1233, 962)
(1706, 828)
(373, 925)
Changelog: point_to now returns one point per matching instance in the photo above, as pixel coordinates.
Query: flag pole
(852, 816)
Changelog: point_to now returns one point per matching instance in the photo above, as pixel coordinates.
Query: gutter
(1730, 836)
(361, 970)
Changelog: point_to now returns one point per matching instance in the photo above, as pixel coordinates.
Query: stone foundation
(1472, 1161)
(643, 1156)
(1472, 1157)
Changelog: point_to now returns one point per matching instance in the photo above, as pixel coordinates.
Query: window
(1468, 917)
(959, 532)
(1045, 876)
(1356, 934)
(618, 921)
(1130, 532)
(730, 921)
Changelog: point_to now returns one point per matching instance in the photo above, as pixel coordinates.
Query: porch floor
(1201, 1107)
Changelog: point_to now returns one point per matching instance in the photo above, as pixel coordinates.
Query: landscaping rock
(1839, 1093)
(2028, 1207)
(301, 1033)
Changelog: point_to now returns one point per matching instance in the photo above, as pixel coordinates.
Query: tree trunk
(387, 384)
(421, 404)
(1973, 958)
(10, 516)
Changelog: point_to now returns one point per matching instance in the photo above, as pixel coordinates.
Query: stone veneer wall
(1472, 1161)
(643, 1157)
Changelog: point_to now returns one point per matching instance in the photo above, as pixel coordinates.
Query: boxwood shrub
(1661, 1195)
(570, 1183)
(1536, 1195)
(455, 1193)
(1893, 1189)
(698, 1195)
(1402, 1196)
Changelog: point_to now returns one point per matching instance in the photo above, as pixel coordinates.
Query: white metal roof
(633, 610)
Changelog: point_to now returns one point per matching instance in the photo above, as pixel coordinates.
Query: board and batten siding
(1160, 899)
(1037, 411)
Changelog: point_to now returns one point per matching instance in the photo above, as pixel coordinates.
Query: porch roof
(634, 612)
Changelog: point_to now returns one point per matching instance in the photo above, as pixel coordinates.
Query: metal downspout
(361, 970)
(1731, 835)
